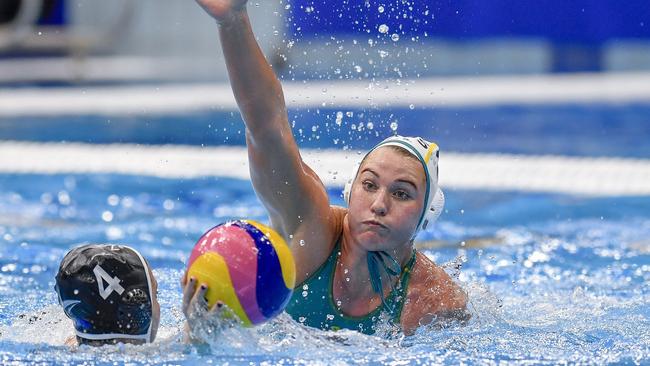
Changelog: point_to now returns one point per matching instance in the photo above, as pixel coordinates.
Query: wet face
(155, 307)
(386, 199)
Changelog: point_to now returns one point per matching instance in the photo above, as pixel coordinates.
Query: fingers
(218, 306)
(195, 304)
(188, 292)
(199, 297)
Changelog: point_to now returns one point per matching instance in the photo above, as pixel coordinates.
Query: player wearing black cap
(109, 292)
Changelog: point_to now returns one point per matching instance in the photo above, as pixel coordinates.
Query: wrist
(233, 18)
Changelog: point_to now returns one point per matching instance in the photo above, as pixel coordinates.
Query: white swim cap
(428, 154)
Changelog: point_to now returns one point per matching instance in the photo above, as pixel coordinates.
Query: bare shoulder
(432, 295)
(337, 214)
(314, 240)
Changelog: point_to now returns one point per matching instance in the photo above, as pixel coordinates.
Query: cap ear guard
(347, 189)
(434, 210)
(149, 337)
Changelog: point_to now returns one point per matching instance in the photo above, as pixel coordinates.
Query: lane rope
(496, 172)
(610, 88)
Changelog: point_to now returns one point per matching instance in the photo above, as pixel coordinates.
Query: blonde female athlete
(354, 264)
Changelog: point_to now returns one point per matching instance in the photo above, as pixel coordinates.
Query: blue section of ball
(272, 295)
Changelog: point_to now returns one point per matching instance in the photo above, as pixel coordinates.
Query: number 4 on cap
(113, 283)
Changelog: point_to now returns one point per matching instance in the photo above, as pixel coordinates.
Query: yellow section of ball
(284, 253)
(210, 268)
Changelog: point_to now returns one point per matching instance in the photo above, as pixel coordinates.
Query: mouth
(375, 224)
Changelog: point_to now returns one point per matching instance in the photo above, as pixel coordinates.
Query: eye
(368, 185)
(402, 195)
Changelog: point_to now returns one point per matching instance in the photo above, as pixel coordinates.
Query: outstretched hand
(222, 9)
(202, 321)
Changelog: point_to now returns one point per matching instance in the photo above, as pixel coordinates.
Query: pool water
(551, 278)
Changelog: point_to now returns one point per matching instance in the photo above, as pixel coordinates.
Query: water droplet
(411, 106)
(63, 198)
(304, 294)
(114, 233)
(393, 126)
(381, 8)
(395, 37)
(168, 205)
(383, 28)
(127, 202)
(107, 216)
(370, 125)
(302, 243)
(113, 200)
(358, 68)
(339, 118)
(330, 317)
(46, 198)
(76, 292)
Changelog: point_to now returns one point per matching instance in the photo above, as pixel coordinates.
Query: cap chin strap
(383, 260)
(107, 336)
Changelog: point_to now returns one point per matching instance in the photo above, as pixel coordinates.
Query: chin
(372, 241)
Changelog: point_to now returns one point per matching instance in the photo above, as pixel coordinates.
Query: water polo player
(109, 292)
(354, 264)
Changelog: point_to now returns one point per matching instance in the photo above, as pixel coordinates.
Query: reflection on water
(551, 279)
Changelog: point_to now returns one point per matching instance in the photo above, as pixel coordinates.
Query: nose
(379, 205)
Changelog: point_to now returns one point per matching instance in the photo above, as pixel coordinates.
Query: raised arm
(292, 193)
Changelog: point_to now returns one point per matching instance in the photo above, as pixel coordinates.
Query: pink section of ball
(203, 245)
(239, 251)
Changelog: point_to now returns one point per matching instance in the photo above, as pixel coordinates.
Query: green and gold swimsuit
(312, 302)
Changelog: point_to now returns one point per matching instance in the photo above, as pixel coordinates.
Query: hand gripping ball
(247, 266)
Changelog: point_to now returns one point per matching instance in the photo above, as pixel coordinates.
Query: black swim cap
(106, 291)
